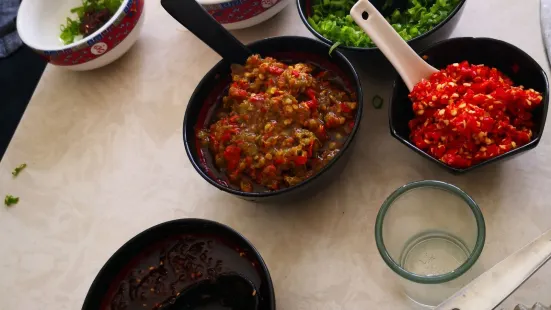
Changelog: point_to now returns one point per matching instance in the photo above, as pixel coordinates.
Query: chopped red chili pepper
(275, 70)
(301, 160)
(466, 114)
(322, 134)
(311, 94)
(226, 136)
(312, 105)
(280, 161)
(238, 92)
(257, 98)
(269, 171)
(344, 107)
(311, 148)
(232, 155)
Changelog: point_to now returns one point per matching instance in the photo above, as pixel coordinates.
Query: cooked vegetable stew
(279, 123)
(466, 114)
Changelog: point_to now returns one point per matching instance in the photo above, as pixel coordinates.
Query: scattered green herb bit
(377, 102)
(333, 47)
(331, 18)
(72, 28)
(10, 200)
(18, 169)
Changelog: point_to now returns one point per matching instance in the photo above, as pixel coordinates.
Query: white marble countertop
(106, 160)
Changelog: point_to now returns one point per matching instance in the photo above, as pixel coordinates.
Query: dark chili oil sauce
(154, 279)
(213, 106)
(94, 20)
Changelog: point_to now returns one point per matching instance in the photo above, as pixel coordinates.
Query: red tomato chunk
(466, 114)
(279, 124)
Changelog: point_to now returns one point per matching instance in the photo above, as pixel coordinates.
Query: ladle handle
(493, 286)
(192, 15)
(409, 65)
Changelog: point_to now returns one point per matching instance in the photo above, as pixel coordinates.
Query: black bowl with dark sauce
(167, 265)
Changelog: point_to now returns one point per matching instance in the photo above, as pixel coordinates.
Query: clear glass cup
(430, 234)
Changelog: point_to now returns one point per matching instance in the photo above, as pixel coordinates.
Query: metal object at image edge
(536, 306)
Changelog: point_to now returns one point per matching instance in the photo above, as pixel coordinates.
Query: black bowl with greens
(422, 22)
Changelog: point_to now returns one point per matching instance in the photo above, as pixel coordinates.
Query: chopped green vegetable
(333, 47)
(10, 200)
(377, 102)
(331, 18)
(72, 29)
(18, 169)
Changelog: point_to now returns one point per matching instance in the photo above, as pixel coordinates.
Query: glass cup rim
(441, 278)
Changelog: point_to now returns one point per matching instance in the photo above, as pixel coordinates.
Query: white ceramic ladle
(411, 67)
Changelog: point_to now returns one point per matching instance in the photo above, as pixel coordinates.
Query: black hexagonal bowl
(150, 239)
(439, 32)
(507, 58)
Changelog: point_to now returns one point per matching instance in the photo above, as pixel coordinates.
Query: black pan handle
(192, 15)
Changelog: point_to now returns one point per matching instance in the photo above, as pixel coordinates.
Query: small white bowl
(39, 22)
(239, 14)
